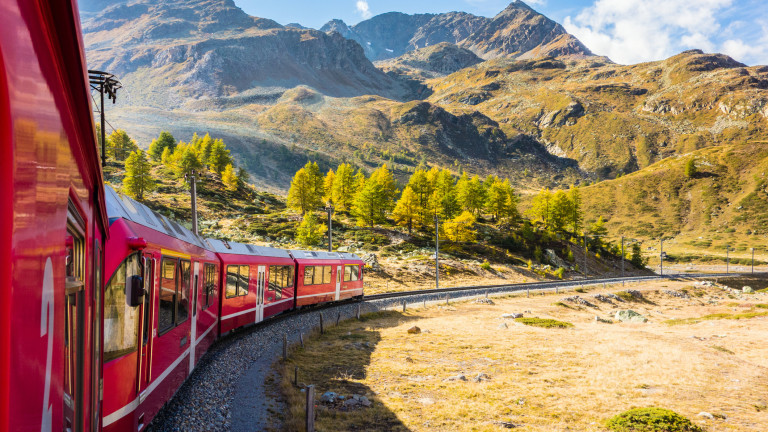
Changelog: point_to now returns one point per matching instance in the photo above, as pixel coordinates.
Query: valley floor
(701, 352)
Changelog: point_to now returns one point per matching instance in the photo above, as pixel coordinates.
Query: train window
(280, 277)
(316, 275)
(121, 322)
(210, 279)
(182, 305)
(237, 280)
(166, 313)
(327, 274)
(351, 273)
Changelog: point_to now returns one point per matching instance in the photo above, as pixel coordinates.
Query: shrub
(651, 420)
(560, 272)
(544, 322)
(485, 265)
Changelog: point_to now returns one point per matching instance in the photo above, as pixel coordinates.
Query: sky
(627, 31)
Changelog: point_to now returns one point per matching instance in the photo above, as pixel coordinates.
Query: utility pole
(753, 260)
(622, 256)
(104, 83)
(193, 192)
(586, 251)
(727, 258)
(661, 258)
(329, 209)
(437, 252)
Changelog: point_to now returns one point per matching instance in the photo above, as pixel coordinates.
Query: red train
(53, 222)
(170, 294)
(102, 318)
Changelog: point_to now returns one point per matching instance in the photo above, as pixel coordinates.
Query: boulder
(747, 290)
(602, 320)
(370, 260)
(630, 316)
(503, 326)
(512, 316)
(329, 397)
(414, 330)
(555, 260)
(458, 377)
(480, 377)
(484, 301)
(706, 415)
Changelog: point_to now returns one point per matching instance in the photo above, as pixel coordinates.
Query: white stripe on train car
(330, 293)
(205, 333)
(122, 412)
(237, 314)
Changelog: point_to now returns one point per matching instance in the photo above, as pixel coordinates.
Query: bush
(651, 420)
(485, 265)
(544, 322)
(560, 272)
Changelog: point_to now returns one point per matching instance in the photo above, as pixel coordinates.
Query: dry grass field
(705, 353)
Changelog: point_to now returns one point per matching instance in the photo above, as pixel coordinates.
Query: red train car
(160, 310)
(52, 223)
(326, 276)
(257, 282)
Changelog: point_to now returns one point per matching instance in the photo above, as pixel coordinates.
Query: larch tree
(310, 231)
(443, 201)
(471, 194)
(163, 141)
(185, 160)
(461, 229)
(422, 190)
(560, 210)
(328, 186)
(501, 201)
(120, 145)
(575, 218)
(376, 198)
(344, 187)
(137, 180)
(229, 178)
(541, 206)
(405, 211)
(301, 195)
(219, 157)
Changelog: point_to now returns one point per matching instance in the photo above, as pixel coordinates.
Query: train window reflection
(121, 322)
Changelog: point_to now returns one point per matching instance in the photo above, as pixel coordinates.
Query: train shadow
(337, 364)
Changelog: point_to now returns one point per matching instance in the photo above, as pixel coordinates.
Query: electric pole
(193, 192)
(622, 256)
(329, 209)
(727, 258)
(437, 252)
(104, 83)
(586, 252)
(661, 257)
(753, 260)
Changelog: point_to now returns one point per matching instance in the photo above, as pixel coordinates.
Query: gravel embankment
(227, 392)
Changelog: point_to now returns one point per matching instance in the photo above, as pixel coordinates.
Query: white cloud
(363, 9)
(632, 31)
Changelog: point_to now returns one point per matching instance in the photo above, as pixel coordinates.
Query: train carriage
(160, 310)
(52, 223)
(257, 283)
(326, 276)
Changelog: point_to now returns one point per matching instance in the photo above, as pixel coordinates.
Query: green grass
(544, 322)
(561, 304)
(651, 420)
(717, 316)
(722, 349)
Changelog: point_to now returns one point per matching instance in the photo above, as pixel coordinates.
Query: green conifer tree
(344, 187)
(310, 231)
(229, 178)
(406, 210)
(138, 180)
(163, 141)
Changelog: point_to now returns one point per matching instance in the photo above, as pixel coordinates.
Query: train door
(260, 294)
(338, 281)
(147, 323)
(193, 331)
(97, 382)
(74, 322)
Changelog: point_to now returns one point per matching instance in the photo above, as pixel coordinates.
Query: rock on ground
(630, 316)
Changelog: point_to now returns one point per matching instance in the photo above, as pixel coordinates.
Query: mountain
(430, 62)
(613, 119)
(516, 32)
(175, 53)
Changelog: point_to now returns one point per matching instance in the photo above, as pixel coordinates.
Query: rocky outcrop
(431, 62)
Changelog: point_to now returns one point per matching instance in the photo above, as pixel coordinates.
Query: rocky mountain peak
(514, 8)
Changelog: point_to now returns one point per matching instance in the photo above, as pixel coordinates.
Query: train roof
(225, 247)
(121, 206)
(323, 255)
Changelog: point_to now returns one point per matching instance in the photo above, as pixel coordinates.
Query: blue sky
(627, 31)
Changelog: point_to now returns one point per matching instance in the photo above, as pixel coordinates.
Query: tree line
(199, 154)
(429, 195)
